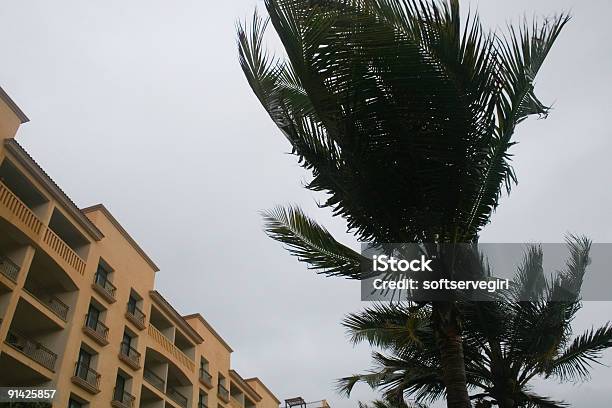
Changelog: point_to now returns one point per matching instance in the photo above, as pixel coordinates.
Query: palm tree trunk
(451, 355)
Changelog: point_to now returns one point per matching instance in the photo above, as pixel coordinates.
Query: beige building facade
(79, 311)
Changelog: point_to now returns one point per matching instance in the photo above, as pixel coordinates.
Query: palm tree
(507, 343)
(405, 115)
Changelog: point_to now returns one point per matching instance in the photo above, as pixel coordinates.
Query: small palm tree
(405, 113)
(506, 343)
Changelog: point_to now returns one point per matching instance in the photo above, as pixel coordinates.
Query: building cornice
(162, 303)
(210, 328)
(264, 387)
(244, 385)
(22, 156)
(13, 106)
(124, 233)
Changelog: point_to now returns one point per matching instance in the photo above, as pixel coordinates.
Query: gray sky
(141, 105)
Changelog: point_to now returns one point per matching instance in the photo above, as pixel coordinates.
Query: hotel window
(93, 316)
(119, 387)
(202, 400)
(132, 304)
(204, 364)
(83, 363)
(102, 274)
(72, 403)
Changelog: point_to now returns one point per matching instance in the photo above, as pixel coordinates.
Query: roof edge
(244, 384)
(42, 177)
(264, 387)
(209, 327)
(126, 235)
(13, 106)
(181, 322)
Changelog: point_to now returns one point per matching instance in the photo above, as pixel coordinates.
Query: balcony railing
(130, 355)
(8, 268)
(177, 397)
(21, 211)
(32, 349)
(96, 328)
(51, 302)
(154, 379)
(136, 316)
(122, 399)
(104, 287)
(205, 378)
(223, 393)
(86, 377)
(64, 251)
(170, 348)
(317, 404)
(27, 217)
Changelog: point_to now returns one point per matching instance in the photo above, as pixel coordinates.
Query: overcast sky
(141, 105)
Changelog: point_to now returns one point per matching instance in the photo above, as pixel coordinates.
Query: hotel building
(78, 308)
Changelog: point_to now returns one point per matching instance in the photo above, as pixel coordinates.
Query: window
(93, 316)
(102, 274)
(83, 364)
(119, 387)
(127, 339)
(84, 358)
(204, 364)
(128, 344)
(132, 304)
(103, 281)
(72, 403)
(202, 400)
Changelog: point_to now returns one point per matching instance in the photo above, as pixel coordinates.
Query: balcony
(129, 355)
(95, 329)
(32, 349)
(86, 378)
(136, 316)
(206, 378)
(63, 250)
(223, 393)
(177, 397)
(154, 379)
(8, 268)
(171, 349)
(25, 219)
(104, 287)
(122, 399)
(51, 302)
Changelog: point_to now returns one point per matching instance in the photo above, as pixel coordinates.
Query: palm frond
(345, 386)
(312, 243)
(531, 400)
(567, 286)
(390, 325)
(575, 361)
(530, 280)
(522, 53)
